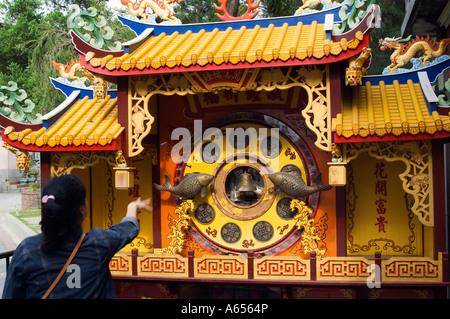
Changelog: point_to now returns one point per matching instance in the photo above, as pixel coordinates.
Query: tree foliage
(32, 36)
(196, 11)
(277, 8)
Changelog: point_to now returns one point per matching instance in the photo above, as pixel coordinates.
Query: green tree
(20, 24)
(277, 8)
(15, 10)
(196, 11)
(32, 36)
(61, 5)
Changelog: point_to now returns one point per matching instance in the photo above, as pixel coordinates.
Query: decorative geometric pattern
(313, 79)
(282, 268)
(396, 269)
(162, 265)
(343, 268)
(120, 264)
(223, 266)
(140, 119)
(412, 269)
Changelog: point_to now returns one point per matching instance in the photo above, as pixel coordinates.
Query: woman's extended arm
(137, 205)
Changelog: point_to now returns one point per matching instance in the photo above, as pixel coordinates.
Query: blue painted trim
(138, 27)
(51, 117)
(67, 89)
(431, 107)
(433, 71)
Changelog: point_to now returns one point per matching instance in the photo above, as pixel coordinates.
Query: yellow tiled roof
(89, 122)
(230, 46)
(378, 110)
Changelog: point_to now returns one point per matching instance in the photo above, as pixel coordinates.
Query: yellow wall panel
(107, 205)
(378, 216)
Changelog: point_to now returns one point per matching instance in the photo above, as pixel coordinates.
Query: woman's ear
(82, 213)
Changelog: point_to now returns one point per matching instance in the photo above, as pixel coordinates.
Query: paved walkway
(12, 230)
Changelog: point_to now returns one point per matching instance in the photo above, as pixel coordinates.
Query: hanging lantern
(124, 175)
(337, 172)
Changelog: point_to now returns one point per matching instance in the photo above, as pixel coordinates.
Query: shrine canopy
(273, 42)
(394, 106)
(78, 124)
(86, 122)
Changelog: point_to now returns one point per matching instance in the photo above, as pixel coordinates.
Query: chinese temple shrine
(276, 166)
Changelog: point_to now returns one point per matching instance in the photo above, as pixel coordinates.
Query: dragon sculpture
(68, 71)
(162, 8)
(404, 50)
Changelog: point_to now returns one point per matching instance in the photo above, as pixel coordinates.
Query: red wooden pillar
(122, 109)
(134, 262)
(438, 164)
(445, 267)
(335, 79)
(378, 259)
(313, 265)
(250, 264)
(191, 257)
(46, 162)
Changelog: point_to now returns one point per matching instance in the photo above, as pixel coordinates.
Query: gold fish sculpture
(190, 186)
(294, 186)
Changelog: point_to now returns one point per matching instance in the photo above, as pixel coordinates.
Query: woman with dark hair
(40, 259)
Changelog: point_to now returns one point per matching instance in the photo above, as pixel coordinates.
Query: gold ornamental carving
(309, 237)
(315, 82)
(64, 162)
(178, 228)
(139, 118)
(312, 79)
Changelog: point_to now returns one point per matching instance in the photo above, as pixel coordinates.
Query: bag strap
(63, 270)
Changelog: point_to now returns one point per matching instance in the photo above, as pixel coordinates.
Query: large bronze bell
(245, 183)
